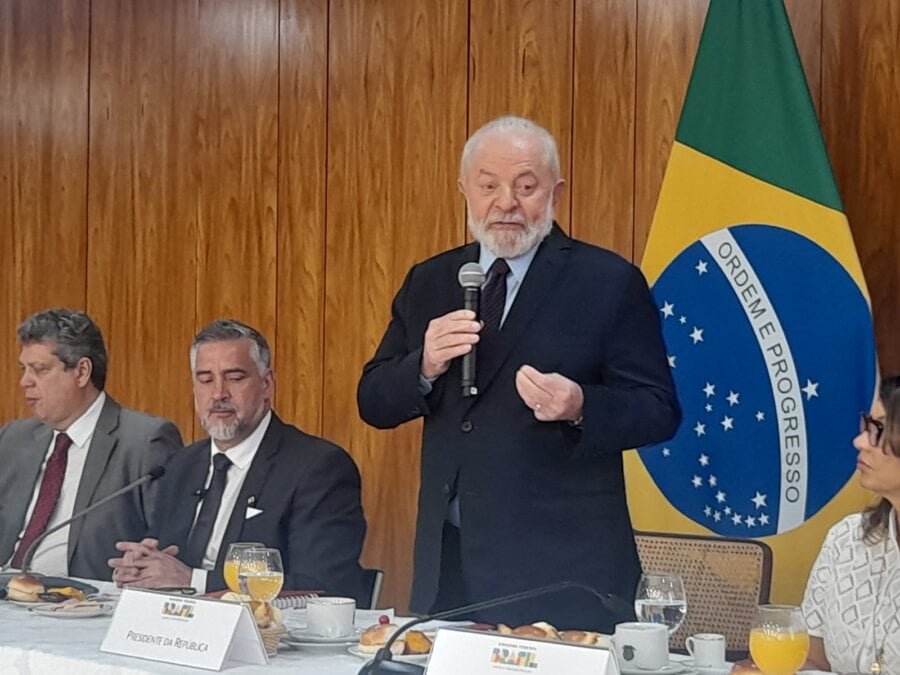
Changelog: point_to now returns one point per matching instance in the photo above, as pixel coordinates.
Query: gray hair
(223, 330)
(512, 125)
(74, 335)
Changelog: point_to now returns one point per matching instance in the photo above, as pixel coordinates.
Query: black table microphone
(383, 663)
(471, 278)
(151, 475)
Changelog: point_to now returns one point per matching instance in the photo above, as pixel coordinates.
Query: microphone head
(156, 472)
(471, 275)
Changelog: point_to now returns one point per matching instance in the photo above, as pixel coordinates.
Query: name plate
(188, 631)
(457, 650)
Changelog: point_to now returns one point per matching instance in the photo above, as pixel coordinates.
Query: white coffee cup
(707, 650)
(641, 646)
(330, 617)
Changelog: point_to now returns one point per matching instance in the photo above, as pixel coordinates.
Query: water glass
(232, 563)
(660, 598)
(261, 574)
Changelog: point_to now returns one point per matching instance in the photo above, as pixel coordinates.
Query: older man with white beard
(522, 484)
(254, 479)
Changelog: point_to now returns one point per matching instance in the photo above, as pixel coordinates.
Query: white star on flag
(727, 510)
(668, 309)
(751, 521)
(700, 429)
(701, 267)
(707, 511)
(697, 481)
(811, 389)
(760, 416)
(666, 452)
(764, 519)
(708, 407)
(759, 500)
(713, 481)
(717, 516)
(720, 497)
(709, 390)
(671, 359)
(704, 460)
(682, 319)
(736, 519)
(697, 335)
(733, 397)
(727, 423)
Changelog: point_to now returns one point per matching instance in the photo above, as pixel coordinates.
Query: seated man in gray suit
(254, 479)
(80, 446)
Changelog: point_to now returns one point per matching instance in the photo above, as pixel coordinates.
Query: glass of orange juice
(261, 574)
(233, 562)
(779, 642)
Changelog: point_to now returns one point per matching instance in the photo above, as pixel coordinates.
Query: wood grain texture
(236, 127)
(806, 23)
(142, 200)
(520, 63)
(396, 126)
(299, 339)
(602, 178)
(861, 85)
(43, 169)
(667, 38)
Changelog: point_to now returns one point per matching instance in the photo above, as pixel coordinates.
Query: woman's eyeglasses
(872, 428)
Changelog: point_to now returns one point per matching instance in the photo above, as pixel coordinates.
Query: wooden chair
(724, 581)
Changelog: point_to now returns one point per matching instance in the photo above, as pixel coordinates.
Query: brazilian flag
(765, 313)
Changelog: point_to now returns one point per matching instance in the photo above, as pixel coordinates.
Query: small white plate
(670, 668)
(73, 611)
(405, 658)
(301, 637)
(724, 670)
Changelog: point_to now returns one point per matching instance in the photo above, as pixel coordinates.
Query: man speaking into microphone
(78, 448)
(521, 479)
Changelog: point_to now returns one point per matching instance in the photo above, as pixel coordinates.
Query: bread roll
(550, 631)
(24, 588)
(375, 637)
(579, 636)
(529, 631)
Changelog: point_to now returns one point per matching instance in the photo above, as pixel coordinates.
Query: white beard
(511, 243)
(221, 430)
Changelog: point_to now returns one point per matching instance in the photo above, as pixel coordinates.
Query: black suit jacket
(308, 490)
(540, 501)
(126, 444)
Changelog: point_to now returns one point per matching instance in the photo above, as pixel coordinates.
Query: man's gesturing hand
(551, 396)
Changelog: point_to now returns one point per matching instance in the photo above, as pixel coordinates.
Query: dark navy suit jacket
(540, 502)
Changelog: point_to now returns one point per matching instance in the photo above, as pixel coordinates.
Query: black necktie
(202, 531)
(493, 301)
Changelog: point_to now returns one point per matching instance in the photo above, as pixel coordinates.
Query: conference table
(31, 644)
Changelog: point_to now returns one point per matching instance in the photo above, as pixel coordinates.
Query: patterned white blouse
(852, 598)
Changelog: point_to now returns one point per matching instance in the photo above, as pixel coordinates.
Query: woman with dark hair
(852, 601)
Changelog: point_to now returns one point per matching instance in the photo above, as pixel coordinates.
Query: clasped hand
(145, 565)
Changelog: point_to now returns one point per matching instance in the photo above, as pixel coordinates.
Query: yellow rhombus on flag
(764, 309)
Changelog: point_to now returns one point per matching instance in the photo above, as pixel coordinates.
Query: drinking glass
(261, 574)
(233, 562)
(660, 598)
(779, 642)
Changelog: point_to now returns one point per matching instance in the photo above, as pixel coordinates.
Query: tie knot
(221, 462)
(498, 269)
(63, 441)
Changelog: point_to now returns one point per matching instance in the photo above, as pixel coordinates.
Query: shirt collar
(244, 452)
(517, 266)
(81, 430)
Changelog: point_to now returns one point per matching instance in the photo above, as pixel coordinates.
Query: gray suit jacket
(125, 445)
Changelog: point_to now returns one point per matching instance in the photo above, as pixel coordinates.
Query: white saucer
(405, 658)
(670, 668)
(724, 670)
(300, 636)
(72, 611)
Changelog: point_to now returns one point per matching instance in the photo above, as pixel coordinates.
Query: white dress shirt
(51, 556)
(852, 598)
(241, 456)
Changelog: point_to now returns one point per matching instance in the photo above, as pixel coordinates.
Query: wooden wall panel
(236, 126)
(602, 177)
(43, 169)
(299, 346)
(520, 63)
(861, 85)
(396, 126)
(667, 38)
(142, 201)
(806, 23)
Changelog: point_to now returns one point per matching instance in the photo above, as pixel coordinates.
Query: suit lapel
(102, 444)
(253, 483)
(542, 277)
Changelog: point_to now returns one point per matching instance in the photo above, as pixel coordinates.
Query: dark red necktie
(48, 497)
(493, 300)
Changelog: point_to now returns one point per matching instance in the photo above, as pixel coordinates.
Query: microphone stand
(383, 663)
(153, 474)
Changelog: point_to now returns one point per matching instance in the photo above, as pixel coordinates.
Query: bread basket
(271, 636)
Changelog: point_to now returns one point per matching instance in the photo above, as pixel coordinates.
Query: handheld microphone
(471, 278)
(383, 663)
(153, 474)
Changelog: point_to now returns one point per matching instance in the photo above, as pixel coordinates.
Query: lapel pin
(251, 501)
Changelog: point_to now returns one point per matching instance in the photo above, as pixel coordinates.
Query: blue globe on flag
(770, 344)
